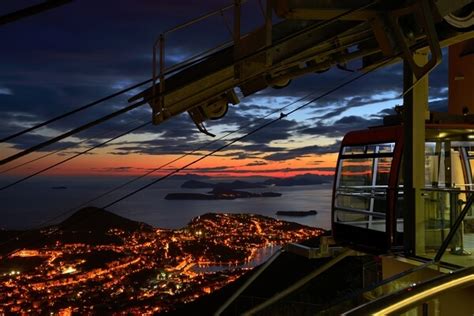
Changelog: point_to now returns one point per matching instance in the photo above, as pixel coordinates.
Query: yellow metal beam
(416, 112)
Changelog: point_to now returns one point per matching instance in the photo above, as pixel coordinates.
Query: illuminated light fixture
(420, 296)
(470, 136)
(69, 270)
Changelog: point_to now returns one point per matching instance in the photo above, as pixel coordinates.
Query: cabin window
(356, 172)
(362, 183)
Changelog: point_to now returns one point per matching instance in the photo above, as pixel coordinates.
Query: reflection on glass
(356, 172)
(383, 170)
(353, 150)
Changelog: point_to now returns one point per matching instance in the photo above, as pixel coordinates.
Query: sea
(42, 201)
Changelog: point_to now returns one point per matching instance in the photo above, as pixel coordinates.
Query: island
(62, 187)
(296, 213)
(302, 179)
(220, 194)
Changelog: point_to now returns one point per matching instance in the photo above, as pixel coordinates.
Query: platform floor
(466, 260)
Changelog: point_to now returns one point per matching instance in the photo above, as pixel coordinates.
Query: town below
(96, 261)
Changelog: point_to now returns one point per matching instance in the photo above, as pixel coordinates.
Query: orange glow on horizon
(106, 164)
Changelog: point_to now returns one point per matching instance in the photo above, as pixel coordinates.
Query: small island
(296, 213)
(62, 187)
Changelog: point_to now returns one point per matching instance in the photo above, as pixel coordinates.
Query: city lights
(154, 270)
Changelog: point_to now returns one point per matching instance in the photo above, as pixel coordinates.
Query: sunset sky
(67, 57)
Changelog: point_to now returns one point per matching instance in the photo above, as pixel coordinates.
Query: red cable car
(368, 211)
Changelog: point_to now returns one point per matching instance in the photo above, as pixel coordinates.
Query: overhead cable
(98, 135)
(244, 136)
(73, 157)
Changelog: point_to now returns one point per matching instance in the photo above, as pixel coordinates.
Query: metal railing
(347, 198)
(159, 46)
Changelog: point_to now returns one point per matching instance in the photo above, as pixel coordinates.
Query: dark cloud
(256, 148)
(209, 169)
(256, 163)
(316, 162)
(303, 151)
(117, 169)
(340, 127)
(326, 169)
(31, 140)
(246, 105)
(353, 103)
(147, 148)
(244, 155)
(242, 171)
(280, 130)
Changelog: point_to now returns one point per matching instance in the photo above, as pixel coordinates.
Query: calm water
(34, 203)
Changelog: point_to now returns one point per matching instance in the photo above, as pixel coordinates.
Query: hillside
(99, 221)
(89, 225)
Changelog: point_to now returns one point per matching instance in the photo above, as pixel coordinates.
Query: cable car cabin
(368, 211)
